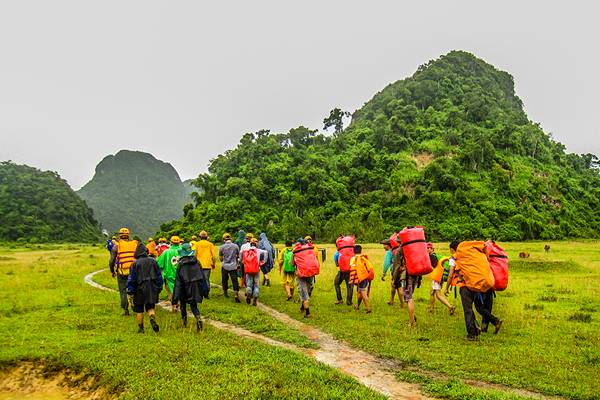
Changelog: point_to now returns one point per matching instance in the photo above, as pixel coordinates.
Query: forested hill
(449, 148)
(134, 190)
(38, 206)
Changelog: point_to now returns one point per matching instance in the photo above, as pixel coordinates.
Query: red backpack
(499, 265)
(250, 258)
(345, 246)
(414, 247)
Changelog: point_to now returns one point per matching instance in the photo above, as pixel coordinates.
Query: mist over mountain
(134, 190)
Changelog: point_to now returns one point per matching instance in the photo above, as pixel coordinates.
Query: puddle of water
(34, 396)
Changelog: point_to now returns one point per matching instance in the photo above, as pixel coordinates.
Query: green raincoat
(168, 264)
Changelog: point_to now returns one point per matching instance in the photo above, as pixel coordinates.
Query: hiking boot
(237, 298)
(153, 323)
(224, 294)
(264, 282)
(470, 339)
(348, 303)
(254, 300)
(125, 313)
(483, 327)
(184, 320)
(498, 325)
(248, 299)
(140, 328)
(268, 282)
(199, 327)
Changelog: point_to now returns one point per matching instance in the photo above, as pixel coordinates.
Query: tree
(335, 119)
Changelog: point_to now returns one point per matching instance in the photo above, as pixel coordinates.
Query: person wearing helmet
(193, 241)
(162, 246)
(121, 258)
(111, 243)
(152, 248)
(167, 262)
(253, 257)
(206, 254)
(228, 254)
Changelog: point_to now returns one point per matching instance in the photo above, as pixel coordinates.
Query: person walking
(286, 271)
(144, 284)
(267, 266)
(228, 254)
(307, 267)
(206, 254)
(253, 257)
(167, 262)
(190, 285)
(121, 258)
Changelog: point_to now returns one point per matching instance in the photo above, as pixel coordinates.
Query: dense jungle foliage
(134, 190)
(450, 149)
(38, 206)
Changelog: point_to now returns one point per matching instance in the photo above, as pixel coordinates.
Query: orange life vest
(306, 260)
(438, 272)
(364, 268)
(125, 252)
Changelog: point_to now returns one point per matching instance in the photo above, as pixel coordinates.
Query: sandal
(356, 306)
(288, 298)
(368, 312)
(307, 316)
(390, 303)
(452, 310)
(339, 302)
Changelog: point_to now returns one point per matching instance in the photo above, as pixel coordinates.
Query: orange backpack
(438, 272)
(473, 267)
(364, 268)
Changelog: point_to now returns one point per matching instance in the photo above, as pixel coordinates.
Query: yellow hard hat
(194, 237)
(124, 232)
(162, 240)
(254, 240)
(226, 235)
(249, 235)
(175, 239)
(151, 240)
(308, 238)
(114, 237)
(203, 233)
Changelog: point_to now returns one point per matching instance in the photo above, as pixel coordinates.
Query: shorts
(140, 308)
(436, 286)
(362, 286)
(304, 285)
(408, 290)
(397, 284)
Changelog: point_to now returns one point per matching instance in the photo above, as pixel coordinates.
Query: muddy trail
(373, 372)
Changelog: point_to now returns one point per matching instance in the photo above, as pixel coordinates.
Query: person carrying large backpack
(287, 272)
(365, 272)
(253, 257)
(307, 266)
(471, 273)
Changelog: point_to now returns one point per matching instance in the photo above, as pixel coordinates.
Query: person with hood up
(190, 285)
(168, 264)
(206, 254)
(144, 284)
(241, 239)
(267, 266)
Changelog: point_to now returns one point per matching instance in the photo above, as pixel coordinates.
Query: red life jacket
(250, 259)
(499, 265)
(307, 263)
(345, 246)
(415, 251)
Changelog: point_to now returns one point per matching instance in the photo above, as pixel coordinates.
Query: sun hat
(186, 250)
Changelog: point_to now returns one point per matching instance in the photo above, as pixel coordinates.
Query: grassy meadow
(549, 342)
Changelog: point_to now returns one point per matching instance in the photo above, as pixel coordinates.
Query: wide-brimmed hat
(186, 250)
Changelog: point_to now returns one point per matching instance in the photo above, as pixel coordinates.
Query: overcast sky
(184, 80)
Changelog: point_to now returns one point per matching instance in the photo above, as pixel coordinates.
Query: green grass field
(549, 342)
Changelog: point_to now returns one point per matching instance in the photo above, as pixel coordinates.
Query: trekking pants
(122, 281)
(183, 306)
(206, 272)
(467, 297)
(225, 275)
(252, 284)
(485, 308)
(339, 278)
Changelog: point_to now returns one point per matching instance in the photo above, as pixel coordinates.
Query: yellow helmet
(249, 235)
(162, 240)
(308, 238)
(254, 240)
(151, 240)
(226, 235)
(194, 237)
(175, 240)
(124, 232)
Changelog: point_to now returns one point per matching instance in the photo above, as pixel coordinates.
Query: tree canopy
(449, 148)
(38, 206)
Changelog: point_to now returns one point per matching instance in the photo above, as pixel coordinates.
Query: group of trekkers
(185, 268)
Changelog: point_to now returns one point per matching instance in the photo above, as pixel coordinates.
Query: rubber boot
(153, 323)
(237, 297)
(140, 328)
(268, 282)
(125, 313)
(199, 327)
(184, 320)
(248, 298)
(254, 300)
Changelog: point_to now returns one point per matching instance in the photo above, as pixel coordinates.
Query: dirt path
(369, 370)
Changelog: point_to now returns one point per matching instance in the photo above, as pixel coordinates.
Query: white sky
(184, 80)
